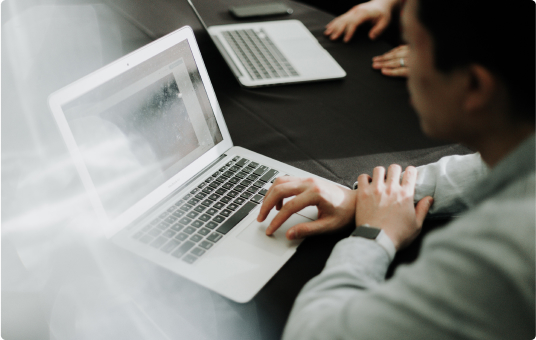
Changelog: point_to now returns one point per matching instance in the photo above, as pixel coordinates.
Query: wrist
(377, 235)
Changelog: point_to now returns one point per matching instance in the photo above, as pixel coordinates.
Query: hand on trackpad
(277, 244)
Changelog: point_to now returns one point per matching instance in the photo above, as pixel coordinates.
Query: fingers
(282, 188)
(294, 205)
(396, 53)
(393, 175)
(378, 176)
(410, 177)
(395, 72)
(303, 230)
(422, 208)
(350, 30)
(378, 29)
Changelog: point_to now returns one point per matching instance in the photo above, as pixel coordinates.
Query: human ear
(482, 89)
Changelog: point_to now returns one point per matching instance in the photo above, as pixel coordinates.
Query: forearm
(355, 265)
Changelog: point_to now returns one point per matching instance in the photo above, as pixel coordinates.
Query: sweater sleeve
(446, 180)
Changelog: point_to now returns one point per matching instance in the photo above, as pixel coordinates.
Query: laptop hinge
(175, 192)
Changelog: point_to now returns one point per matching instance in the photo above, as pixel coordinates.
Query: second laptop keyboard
(259, 55)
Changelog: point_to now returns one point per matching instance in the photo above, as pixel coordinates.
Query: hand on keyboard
(336, 205)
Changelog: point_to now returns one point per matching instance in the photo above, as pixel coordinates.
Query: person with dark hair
(471, 83)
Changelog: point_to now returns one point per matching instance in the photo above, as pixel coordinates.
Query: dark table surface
(334, 129)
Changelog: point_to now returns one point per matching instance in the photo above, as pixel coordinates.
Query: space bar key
(236, 218)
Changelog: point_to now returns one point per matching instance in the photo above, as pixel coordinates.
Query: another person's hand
(376, 12)
(336, 205)
(393, 63)
(387, 204)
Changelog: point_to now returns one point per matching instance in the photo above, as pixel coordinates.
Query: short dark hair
(499, 35)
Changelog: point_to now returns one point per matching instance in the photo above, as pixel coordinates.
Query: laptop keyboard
(191, 226)
(258, 54)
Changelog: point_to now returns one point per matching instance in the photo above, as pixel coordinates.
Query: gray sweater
(474, 278)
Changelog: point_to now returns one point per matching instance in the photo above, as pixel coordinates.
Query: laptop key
(239, 188)
(226, 212)
(252, 189)
(155, 232)
(192, 214)
(181, 236)
(214, 237)
(225, 200)
(146, 239)
(171, 209)
(159, 242)
(263, 192)
(183, 249)
(221, 191)
(246, 195)
(211, 225)
(186, 207)
(235, 158)
(200, 208)
(196, 238)
(204, 231)
(236, 218)
(177, 227)
(206, 244)
(207, 203)
(169, 233)
(204, 217)
(162, 225)
(189, 259)
(164, 214)
(241, 175)
(189, 230)
(218, 219)
(239, 201)
(257, 198)
(170, 219)
(212, 211)
(232, 206)
(242, 162)
(185, 220)
(253, 165)
(172, 244)
(234, 180)
(178, 213)
(193, 201)
(268, 175)
(198, 251)
(218, 205)
(196, 224)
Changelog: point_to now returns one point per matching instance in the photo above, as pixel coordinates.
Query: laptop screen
(142, 127)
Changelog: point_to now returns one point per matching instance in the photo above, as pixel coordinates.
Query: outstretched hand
(387, 204)
(336, 205)
(376, 12)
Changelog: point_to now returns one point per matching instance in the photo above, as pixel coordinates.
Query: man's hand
(393, 63)
(336, 205)
(376, 12)
(388, 204)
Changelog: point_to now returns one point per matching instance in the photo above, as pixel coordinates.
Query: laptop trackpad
(277, 244)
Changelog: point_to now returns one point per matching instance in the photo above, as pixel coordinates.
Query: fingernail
(291, 234)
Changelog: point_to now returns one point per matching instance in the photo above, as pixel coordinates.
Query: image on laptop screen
(141, 128)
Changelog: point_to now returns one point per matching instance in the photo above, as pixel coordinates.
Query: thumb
(378, 29)
(422, 209)
(302, 230)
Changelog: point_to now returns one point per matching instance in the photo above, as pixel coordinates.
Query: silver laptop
(272, 53)
(151, 146)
